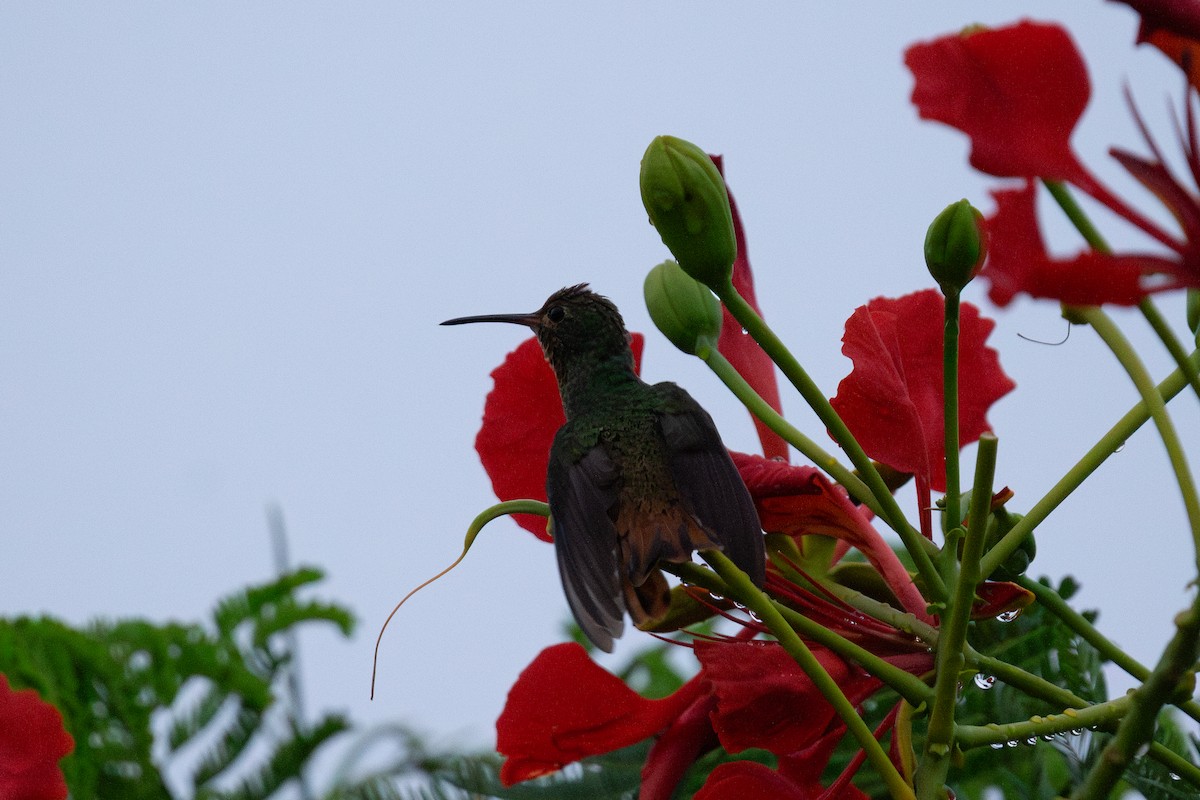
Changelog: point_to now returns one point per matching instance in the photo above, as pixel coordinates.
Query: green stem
(1077, 216)
(1116, 341)
(1089, 463)
(952, 517)
(772, 419)
(919, 547)
(1053, 602)
(759, 603)
(1174, 346)
(1101, 715)
(1014, 676)
(952, 639)
(1172, 678)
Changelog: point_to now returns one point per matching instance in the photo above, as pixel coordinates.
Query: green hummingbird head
(574, 324)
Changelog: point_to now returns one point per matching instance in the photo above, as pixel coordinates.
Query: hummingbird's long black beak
(529, 320)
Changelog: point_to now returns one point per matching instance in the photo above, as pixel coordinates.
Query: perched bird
(637, 475)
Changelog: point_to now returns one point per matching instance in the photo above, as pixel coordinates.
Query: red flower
(565, 707)
(765, 700)
(1017, 92)
(892, 400)
(32, 741)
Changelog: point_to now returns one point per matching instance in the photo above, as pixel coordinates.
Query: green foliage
(111, 679)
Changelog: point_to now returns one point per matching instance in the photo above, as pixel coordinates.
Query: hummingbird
(637, 476)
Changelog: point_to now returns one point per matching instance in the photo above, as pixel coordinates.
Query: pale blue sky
(228, 232)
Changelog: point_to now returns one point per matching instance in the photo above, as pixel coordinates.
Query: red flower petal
(740, 780)
(799, 500)
(565, 707)
(804, 768)
(689, 737)
(997, 597)
(1018, 262)
(1017, 92)
(1180, 17)
(750, 360)
(765, 700)
(520, 417)
(892, 400)
(32, 741)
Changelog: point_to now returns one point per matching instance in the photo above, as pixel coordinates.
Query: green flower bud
(1015, 565)
(955, 246)
(683, 309)
(685, 196)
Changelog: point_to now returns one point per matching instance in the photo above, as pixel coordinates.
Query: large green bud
(684, 310)
(685, 196)
(955, 246)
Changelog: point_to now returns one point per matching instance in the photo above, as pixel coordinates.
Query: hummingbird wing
(581, 495)
(709, 483)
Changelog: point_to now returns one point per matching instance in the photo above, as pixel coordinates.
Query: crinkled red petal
(892, 400)
(800, 500)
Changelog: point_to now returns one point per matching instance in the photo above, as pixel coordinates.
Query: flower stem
(1173, 345)
(940, 739)
(1168, 681)
(1100, 715)
(1116, 341)
(951, 518)
(762, 606)
(1078, 217)
(1089, 463)
(917, 546)
(1056, 605)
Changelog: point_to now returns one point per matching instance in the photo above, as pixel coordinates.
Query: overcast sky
(228, 232)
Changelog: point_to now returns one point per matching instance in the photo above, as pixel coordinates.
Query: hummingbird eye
(556, 313)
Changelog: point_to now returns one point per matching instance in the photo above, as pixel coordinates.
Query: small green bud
(683, 309)
(955, 246)
(685, 196)
(1016, 564)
